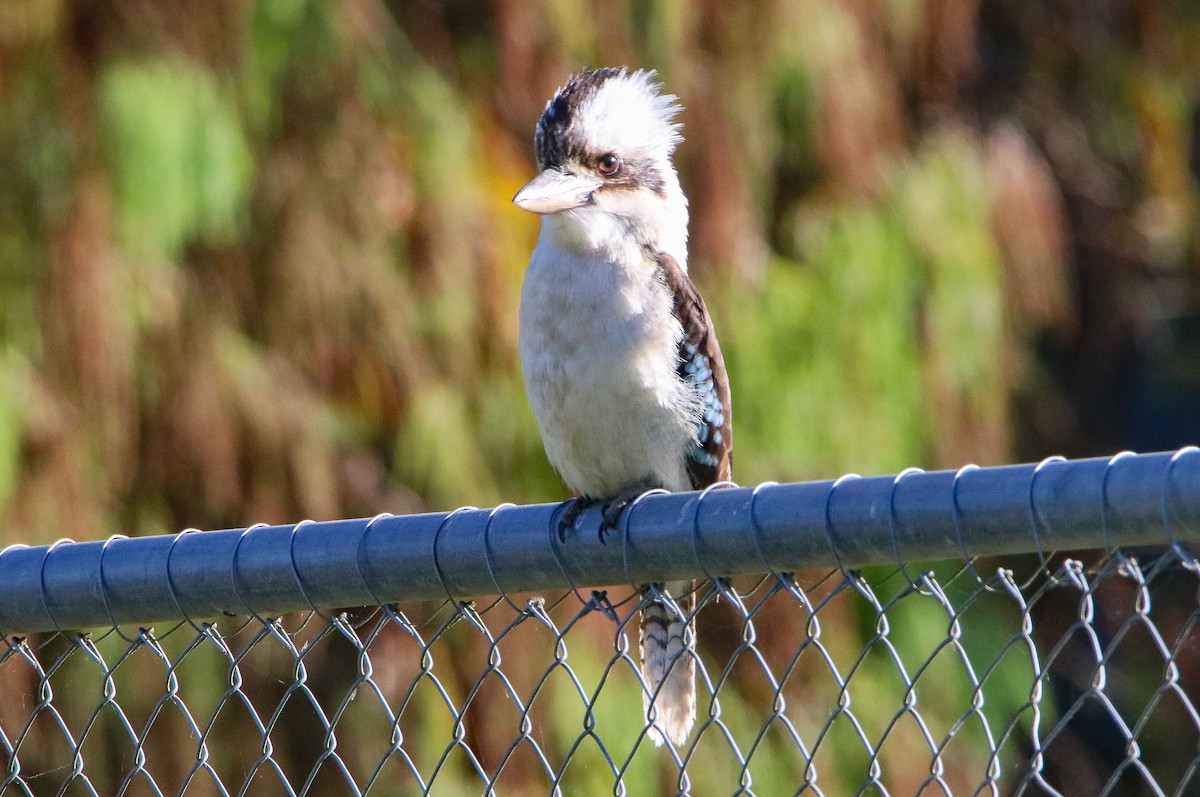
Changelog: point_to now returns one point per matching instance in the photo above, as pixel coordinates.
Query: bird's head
(604, 145)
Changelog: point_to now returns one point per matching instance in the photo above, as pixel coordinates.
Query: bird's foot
(574, 506)
(614, 507)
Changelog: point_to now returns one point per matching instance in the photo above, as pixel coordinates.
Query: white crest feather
(630, 114)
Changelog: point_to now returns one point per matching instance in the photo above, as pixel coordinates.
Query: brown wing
(702, 366)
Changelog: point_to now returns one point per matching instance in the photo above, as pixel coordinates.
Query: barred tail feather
(669, 665)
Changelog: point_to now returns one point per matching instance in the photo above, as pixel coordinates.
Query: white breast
(599, 347)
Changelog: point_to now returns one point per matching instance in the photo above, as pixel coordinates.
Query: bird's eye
(608, 165)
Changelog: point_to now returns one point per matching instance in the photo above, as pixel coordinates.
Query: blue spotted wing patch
(703, 368)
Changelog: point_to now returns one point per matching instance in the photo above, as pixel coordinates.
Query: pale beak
(553, 191)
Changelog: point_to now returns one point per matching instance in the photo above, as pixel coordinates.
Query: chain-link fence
(989, 672)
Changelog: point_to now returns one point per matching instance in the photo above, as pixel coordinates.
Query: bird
(620, 359)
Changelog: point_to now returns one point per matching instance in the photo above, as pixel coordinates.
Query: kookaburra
(620, 358)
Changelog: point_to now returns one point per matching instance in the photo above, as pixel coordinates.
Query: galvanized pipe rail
(1125, 500)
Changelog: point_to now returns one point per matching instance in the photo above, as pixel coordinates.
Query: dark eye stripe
(635, 175)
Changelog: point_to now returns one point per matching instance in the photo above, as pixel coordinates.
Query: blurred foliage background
(258, 260)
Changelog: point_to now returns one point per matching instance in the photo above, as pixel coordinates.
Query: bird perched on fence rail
(620, 358)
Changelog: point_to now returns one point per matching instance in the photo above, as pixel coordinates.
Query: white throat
(599, 348)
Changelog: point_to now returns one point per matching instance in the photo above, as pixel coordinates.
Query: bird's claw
(610, 511)
(611, 514)
(616, 506)
(574, 506)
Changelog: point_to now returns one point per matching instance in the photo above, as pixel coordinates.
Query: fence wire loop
(892, 523)
(172, 587)
(956, 516)
(833, 546)
(437, 565)
(695, 536)
(363, 540)
(1165, 499)
(296, 570)
(102, 587)
(756, 529)
(489, 560)
(626, 517)
(555, 542)
(1034, 523)
(1108, 468)
(237, 576)
(42, 580)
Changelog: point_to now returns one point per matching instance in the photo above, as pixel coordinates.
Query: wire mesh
(1022, 672)
(1054, 675)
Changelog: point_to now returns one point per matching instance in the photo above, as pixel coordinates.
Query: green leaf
(181, 163)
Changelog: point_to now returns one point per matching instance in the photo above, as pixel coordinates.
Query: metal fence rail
(834, 658)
